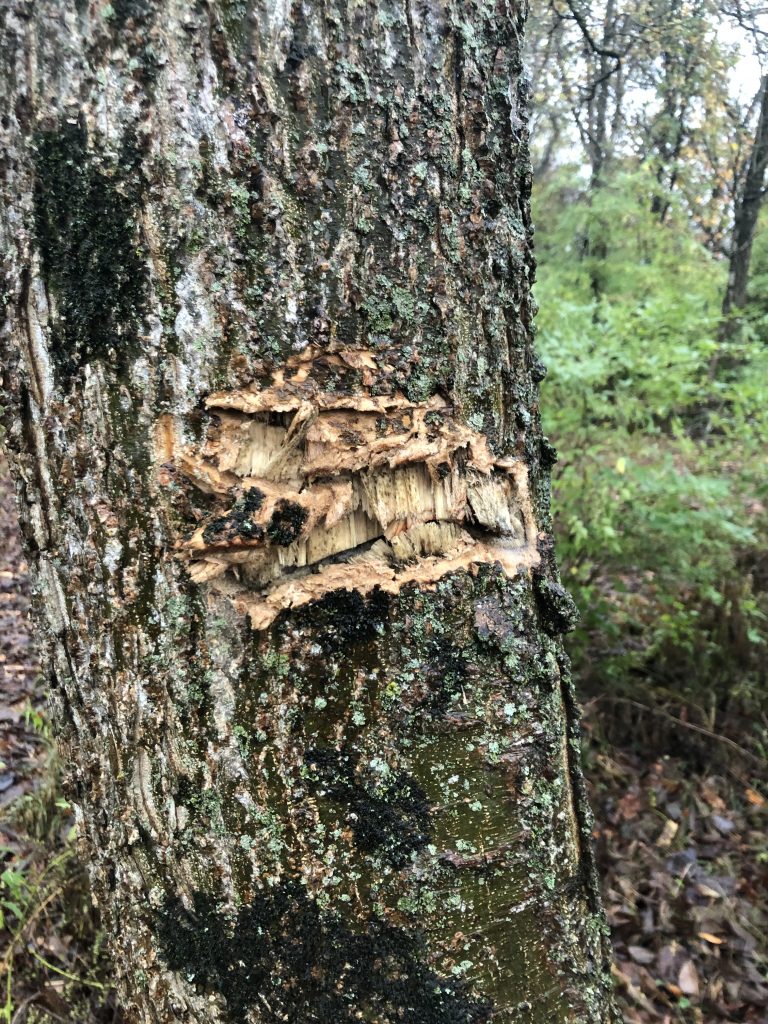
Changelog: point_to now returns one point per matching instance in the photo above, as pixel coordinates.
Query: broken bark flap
(324, 489)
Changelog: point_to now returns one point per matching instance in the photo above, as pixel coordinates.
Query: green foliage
(44, 901)
(660, 494)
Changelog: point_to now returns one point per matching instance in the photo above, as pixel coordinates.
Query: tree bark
(749, 201)
(271, 407)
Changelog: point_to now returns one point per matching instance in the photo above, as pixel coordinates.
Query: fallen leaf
(668, 833)
(723, 825)
(706, 890)
(709, 937)
(641, 955)
(688, 979)
(712, 797)
(629, 805)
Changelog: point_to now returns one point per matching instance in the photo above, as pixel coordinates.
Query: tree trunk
(271, 407)
(748, 203)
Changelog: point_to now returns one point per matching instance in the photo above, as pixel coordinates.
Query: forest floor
(682, 855)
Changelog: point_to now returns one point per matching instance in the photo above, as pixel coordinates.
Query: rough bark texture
(271, 406)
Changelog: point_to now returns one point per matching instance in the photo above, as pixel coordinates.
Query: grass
(52, 962)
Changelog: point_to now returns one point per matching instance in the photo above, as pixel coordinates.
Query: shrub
(660, 497)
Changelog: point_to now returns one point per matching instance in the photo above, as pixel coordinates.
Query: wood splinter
(321, 490)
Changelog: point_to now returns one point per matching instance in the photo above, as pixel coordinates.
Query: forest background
(650, 145)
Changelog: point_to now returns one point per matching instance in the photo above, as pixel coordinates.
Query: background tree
(750, 194)
(651, 84)
(271, 406)
(660, 494)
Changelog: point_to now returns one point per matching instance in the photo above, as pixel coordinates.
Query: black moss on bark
(558, 611)
(137, 11)
(286, 523)
(393, 823)
(291, 960)
(341, 619)
(85, 211)
(238, 522)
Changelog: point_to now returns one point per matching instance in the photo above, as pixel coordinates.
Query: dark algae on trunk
(85, 213)
(289, 960)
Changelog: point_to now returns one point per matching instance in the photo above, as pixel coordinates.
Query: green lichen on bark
(413, 749)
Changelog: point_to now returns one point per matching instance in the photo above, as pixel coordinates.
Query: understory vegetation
(660, 492)
(657, 402)
(650, 147)
(650, 143)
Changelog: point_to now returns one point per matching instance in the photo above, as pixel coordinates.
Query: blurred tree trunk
(669, 129)
(271, 407)
(597, 126)
(748, 203)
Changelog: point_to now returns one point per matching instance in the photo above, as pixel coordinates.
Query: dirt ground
(682, 854)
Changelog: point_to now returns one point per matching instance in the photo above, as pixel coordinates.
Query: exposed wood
(271, 407)
(308, 479)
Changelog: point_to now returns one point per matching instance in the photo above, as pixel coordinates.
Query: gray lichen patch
(321, 484)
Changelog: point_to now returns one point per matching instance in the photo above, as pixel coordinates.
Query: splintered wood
(323, 485)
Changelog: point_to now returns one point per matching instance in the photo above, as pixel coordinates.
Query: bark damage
(271, 404)
(318, 490)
